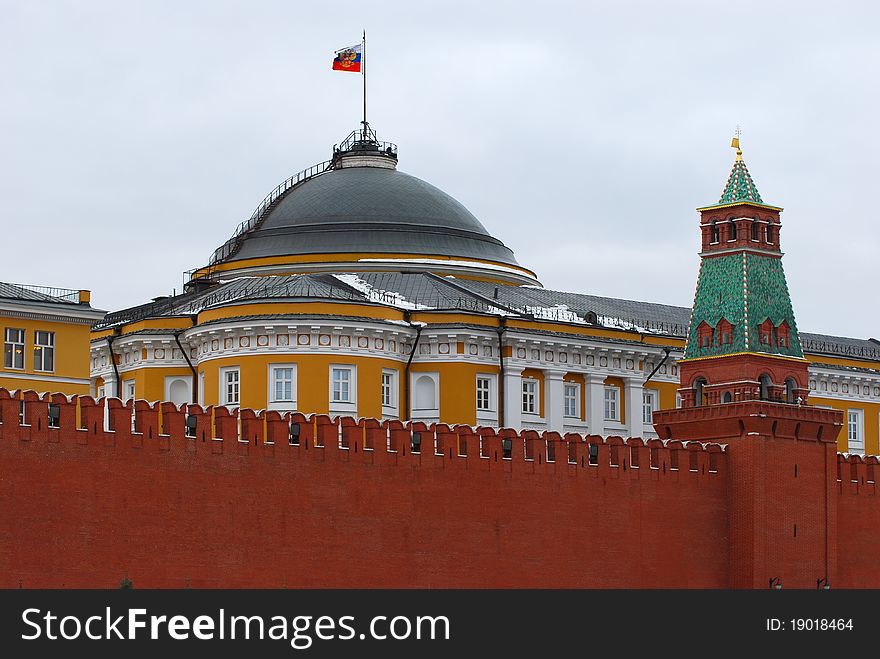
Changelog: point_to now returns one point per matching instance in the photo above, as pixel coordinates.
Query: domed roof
(368, 209)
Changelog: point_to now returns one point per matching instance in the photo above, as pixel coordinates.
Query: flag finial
(734, 143)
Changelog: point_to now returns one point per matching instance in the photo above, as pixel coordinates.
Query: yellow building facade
(46, 334)
(355, 289)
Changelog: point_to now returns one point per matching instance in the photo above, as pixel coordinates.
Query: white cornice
(72, 314)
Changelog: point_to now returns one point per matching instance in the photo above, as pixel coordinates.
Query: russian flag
(348, 59)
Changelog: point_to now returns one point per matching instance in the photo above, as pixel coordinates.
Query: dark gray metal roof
(372, 210)
(30, 293)
(423, 291)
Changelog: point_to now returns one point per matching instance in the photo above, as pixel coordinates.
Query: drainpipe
(502, 325)
(662, 361)
(408, 362)
(195, 384)
(118, 393)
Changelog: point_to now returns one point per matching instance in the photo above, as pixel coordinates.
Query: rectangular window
(387, 382)
(231, 386)
(282, 384)
(341, 385)
(611, 404)
(44, 351)
(572, 399)
(649, 404)
(13, 348)
(129, 388)
(484, 394)
(854, 432)
(389, 391)
(530, 396)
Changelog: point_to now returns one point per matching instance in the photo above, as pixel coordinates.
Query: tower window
(764, 383)
(731, 230)
(699, 392)
(755, 229)
(770, 234)
(715, 236)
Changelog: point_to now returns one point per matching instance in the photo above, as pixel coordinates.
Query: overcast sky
(135, 136)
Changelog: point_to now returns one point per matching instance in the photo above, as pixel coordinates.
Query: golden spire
(734, 143)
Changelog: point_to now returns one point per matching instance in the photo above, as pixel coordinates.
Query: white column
(595, 397)
(554, 403)
(635, 425)
(512, 398)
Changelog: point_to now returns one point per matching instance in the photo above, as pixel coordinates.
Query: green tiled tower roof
(742, 286)
(745, 289)
(740, 186)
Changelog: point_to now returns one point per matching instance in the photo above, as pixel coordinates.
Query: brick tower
(744, 383)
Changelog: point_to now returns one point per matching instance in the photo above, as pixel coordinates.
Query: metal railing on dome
(230, 246)
(365, 140)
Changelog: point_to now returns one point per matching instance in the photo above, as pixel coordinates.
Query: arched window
(726, 397)
(769, 233)
(714, 232)
(790, 394)
(700, 392)
(765, 382)
(425, 394)
(179, 392)
(755, 230)
(731, 230)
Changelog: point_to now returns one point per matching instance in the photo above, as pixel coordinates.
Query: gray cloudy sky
(136, 135)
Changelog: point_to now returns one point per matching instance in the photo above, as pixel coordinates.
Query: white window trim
(577, 400)
(222, 393)
(343, 407)
(860, 431)
(655, 398)
(392, 410)
(605, 401)
(488, 416)
(126, 386)
(42, 349)
(7, 341)
(281, 405)
(537, 398)
(425, 414)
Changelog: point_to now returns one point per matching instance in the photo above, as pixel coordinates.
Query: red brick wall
(858, 523)
(81, 508)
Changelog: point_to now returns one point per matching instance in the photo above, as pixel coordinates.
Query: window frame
(348, 404)
(391, 404)
(276, 403)
(225, 383)
(855, 419)
(10, 344)
(612, 403)
(484, 392)
(653, 396)
(575, 399)
(44, 350)
(126, 386)
(531, 388)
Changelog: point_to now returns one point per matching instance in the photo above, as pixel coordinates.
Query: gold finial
(734, 143)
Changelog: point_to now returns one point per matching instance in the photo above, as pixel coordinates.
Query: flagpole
(364, 71)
